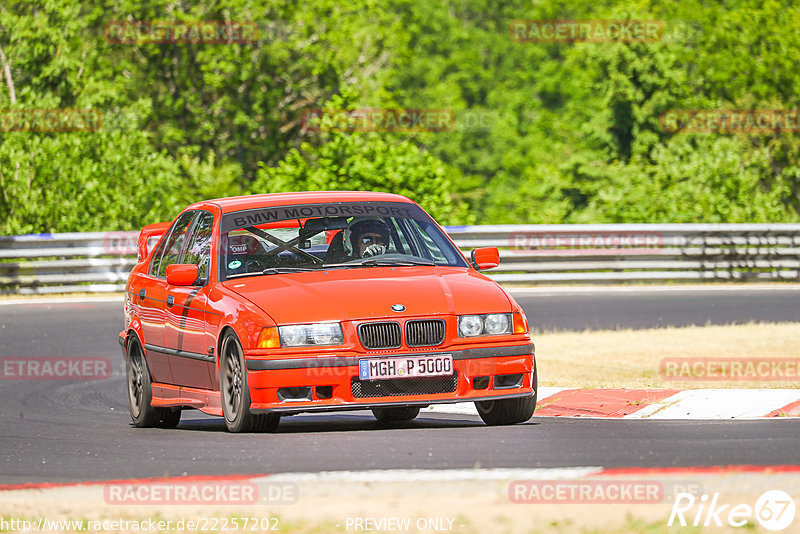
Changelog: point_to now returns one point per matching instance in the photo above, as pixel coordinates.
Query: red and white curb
(655, 403)
(425, 475)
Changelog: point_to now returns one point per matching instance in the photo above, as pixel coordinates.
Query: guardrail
(66, 263)
(530, 254)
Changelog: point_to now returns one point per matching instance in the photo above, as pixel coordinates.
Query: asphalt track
(66, 431)
(632, 307)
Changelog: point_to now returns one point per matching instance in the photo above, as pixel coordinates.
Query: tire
(140, 394)
(509, 411)
(169, 417)
(401, 413)
(235, 393)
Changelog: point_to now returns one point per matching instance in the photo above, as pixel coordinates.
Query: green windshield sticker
(235, 264)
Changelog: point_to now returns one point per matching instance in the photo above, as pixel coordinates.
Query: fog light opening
(294, 394)
(481, 382)
(324, 392)
(508, 381)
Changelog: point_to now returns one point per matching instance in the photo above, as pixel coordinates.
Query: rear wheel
(236, 394)
(400, 413)
(509, 411)
(139, 392)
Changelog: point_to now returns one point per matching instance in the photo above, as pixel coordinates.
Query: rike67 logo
(774, 510)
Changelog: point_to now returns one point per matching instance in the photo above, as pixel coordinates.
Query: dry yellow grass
(474, 506)
(630, 358)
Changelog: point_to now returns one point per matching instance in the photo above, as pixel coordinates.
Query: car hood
(369, 293)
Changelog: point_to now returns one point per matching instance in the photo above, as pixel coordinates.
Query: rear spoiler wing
(149, 236)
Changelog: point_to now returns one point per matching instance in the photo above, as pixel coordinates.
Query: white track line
(71, 300)
(545, 392)
(435, 475)
(718, 404)
(548, 290)
(552, 290)
(468, 408)
(460, 408)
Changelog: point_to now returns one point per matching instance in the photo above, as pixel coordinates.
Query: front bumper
(331, 382)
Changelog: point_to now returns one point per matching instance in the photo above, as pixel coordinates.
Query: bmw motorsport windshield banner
(255, 217)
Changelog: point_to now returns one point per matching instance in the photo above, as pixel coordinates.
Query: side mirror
(485, 258)
(181, 274)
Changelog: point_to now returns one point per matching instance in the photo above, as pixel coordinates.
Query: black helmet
(366, 226)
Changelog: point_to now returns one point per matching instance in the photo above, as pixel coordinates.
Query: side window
(174, 244)
(199, 250)
(156, 262)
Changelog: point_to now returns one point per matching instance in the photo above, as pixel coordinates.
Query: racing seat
(336, 252)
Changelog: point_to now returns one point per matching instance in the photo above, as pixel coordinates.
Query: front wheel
(236, 394)
(169, 418)
(509, 411)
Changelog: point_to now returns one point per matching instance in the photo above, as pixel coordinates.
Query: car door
(153, 302)
(185, 312)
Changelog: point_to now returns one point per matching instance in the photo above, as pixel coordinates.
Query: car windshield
(342, 235)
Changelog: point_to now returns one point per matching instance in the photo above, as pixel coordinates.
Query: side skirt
(205, 400)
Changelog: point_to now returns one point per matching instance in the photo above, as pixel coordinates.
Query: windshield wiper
(282, 270)
(378, 262)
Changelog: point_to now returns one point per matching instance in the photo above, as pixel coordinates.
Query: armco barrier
(66, 263)
(530, 254)
(638, 252)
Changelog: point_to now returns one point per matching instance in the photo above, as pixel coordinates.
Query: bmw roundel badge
(398, 307)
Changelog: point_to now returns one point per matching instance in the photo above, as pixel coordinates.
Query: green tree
(366, 161)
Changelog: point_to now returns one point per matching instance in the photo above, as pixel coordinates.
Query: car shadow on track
(339, 422)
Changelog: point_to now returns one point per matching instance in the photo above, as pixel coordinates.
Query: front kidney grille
(380, 335)
(403, 386)
(426, 333)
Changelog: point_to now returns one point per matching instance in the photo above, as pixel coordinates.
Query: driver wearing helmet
(369, 237)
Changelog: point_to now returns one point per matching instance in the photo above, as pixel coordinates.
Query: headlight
(470, 325)
(496, 323)
(492, 324)
(300, 335)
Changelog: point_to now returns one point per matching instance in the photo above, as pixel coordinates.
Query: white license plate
(405, 367)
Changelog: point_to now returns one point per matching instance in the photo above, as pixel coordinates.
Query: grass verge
(632, 358)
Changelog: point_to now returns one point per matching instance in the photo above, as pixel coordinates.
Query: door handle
(170, 300)
(142, 293)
